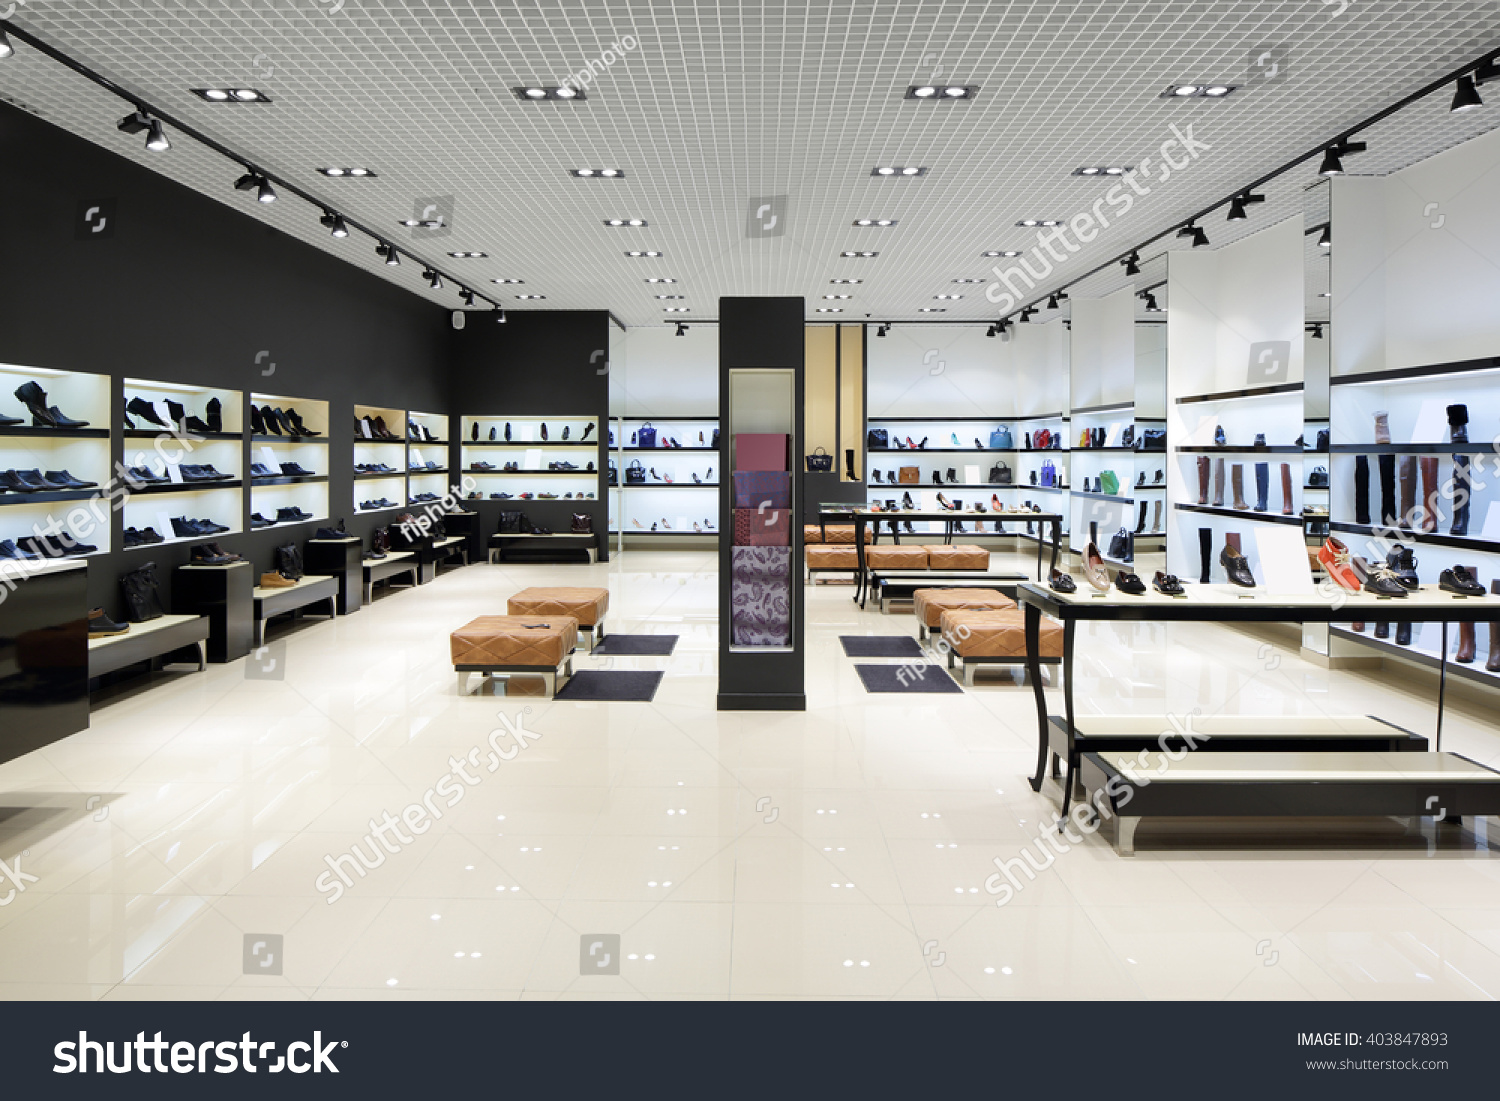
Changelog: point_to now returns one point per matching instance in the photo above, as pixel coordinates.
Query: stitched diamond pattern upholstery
(832, 558)
(997, 634)
(930, 604)
(962, 556)
(896, 558)
(587, 605)
(837, 535)
(505, 640)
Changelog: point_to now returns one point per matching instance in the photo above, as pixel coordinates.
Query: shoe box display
(380, 454)
(674, 489)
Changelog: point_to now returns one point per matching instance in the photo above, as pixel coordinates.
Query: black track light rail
(223, 150)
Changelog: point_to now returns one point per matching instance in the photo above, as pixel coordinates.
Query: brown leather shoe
(274, 580)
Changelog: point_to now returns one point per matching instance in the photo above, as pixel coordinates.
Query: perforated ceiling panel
(716, 104)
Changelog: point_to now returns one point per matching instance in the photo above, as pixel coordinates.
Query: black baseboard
(762, 701)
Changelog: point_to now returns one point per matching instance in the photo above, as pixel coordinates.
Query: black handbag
(635, 473)
(1323, 440)
(1152, 439)
(614, 475)
(142, 596)
(1318, 477)
(289, 562)
(879, 439)
(511, 522)
(819, 461)
(1000, 474)
(1120, 547)
(646, 435)
(583, 524)
(1127, 438)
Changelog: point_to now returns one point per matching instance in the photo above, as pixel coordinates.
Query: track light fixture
(1133, 264)
(1237, 205)
(1325, 239)
(389, 254)
(1315, 330)
(434, 280)
(334, 224)
(990, 331)
(138, 122)
(254, 181)
(1150, 300)
(6, 49)
(1027, 314)
(467, 296)
(1054, 301)
(1191, 230)
(1002, 328)
(500, 315)
(1465, 95)
(681, 329)
(885, 328)
(1333, 157)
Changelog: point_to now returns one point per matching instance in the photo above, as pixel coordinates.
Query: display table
(311, 589)
(149, 641)
(892, 585)
(1221, 604)
(862, 517)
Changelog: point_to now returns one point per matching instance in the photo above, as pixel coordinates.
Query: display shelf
(1241, 514)
(1269, 449)
(435, 423)
(527, 430)
(175, 488)
(550, 445)
(379, 475)
(1090, 495)
(12, 498)
(1422, 655)
(1470, 448)
(1241, 395)
(1099, 450)
(1099, 410)
(672, 485)
(1475, 543)
(943, 451)
(57, 433)
(591, 475)
(194, 401)
(1466, 369)
(287, 479)
(660, 450)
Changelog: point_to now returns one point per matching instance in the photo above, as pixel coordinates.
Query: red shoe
(995, 503)
(909, 445)
(1334, 557)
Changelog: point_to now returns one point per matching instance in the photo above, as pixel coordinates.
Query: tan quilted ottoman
(962, 556)
(840, 535)
(585, 604)
(930, 604)
(540, 645)
(996, 638)
(822, 557)
(896, 558)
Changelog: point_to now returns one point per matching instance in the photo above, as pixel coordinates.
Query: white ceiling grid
(721, 102)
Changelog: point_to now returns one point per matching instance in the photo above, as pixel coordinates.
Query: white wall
(653, 372)
(1103, 350)
(938, 371)
(1151, 370)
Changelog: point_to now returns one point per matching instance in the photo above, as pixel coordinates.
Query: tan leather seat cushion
(961, 556)
(930, 604)
(832, 558)
(997, 634)
(514, 640)
(585, 604)
(896, 558)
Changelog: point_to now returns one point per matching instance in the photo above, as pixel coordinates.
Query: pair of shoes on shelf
(137, 476)
(371, 428)
(184, 528)
(34, 481)
(62, 545)
(292, 515)
(145, 538)
(266, 421)
(211, 554)
(373, 468)
(379, 502)
(34, 398)
(337, 531)
(420, 433)
(205, 472)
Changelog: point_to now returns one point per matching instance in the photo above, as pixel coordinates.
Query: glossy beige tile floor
(837, 853)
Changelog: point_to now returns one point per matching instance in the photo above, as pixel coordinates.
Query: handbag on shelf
(583, 524)
(1319, 477)
(878, 439)
(909, 475)
(1000, 439)
(1042, 439)
(1049, 473)
(646, 436)
(614, 475)
(635, 473)
(819, 462)
(1000, 474)
(511, 523)
(1127, 438)
(1109, 483)
(1086, 438)
(142, 596)
(289, 561)
(1152, 439)
(1323, 439)
(1119, 547)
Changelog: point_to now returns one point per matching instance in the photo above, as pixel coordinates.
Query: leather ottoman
(962, 556)
(823, 557)
(585, 604)
(837, 535)
(996, 638)
(539, 645)
(930, 604)
(896, 558)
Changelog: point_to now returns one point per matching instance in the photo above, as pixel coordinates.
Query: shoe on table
(1459, 580)
(1403, 564)
(1167, 584)
(1129, 583)
(1237, 566)
(101, 626)
(1093, 568)
(274, 580)
(1379, 579)
(204, 555)
(1061, 582)
(1333, 556)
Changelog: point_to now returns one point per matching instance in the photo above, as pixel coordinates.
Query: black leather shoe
(1403, 564)
(203, 555)
(1382, 581)
(12, 480)
(1167, 584)
(34, 477)
(257, 521)
(1237, 566)
(544, 431)
(1459, 580)
(295, 470)
(1061, 582)
(257, 426)
(937, 479)
(291, 515)
(8, 549)
(146, 411)
(1130, 583)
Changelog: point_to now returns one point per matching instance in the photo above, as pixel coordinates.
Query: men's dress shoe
(59, 546)
(296, 470)
(590, 427)
(202, 555)
(60, 419)
(1219, 437)
(565, 432)
(1379, 579)
(1129, 583)
(474, 431)
(37, 478)
(1237, 567)
(293, 514)
(101, 626)
(8, 549)
(12, 480)
(124, 418)
(193, 424)
(300, 428)
(228, 556)
(544, 431)
(1459, 580)
(35, 399)
(150, 536)
(1093, 568)
(1061, 582)
(146, 411)
(1403, 564)
(257, 521)
(274, 580)
(1167, 584)
(1333, 556)
(261, 470)
(176, 412)
(258, 424)
(184, 528)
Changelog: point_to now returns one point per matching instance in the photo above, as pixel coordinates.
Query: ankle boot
(214, 414)
(1218, 483)
(1493, 665)
(1458, 423)
(1403, 634)
(937, 479)
(1156, 518)
(1206, 552)
(849, 472)
(1466, 647)
(1361, 489)
(1203, 466)
(1237, 483)
(1382, 428)
(1141, 525)
(1406, 478)
(1462, 491)
(1429, 468)
(1387, 489)
(952, 477)
(1359, 627)
(1262, 485)
(1286, 489)
(176, 412)
(1382, 630)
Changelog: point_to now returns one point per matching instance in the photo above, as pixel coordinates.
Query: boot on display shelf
(1463, 486)
(1206, 552)
(1203, 465)
(1156, 519)
(1387, 489)
(1382, 428)
(1361, 489)
(1403, 634)
(1382, 630)
(1466, 644)
(1218, 483)
(1458, 423)
(849, 472)
(1429, 468)
(1406, 479)
(1141, 525)
(1493, 665)
(1358, 627)
(1237, 483)
(1262, 485)
(1286, 489)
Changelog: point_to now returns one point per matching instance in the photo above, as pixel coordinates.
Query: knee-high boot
(1262, 485)
(1406, 477)
(1237, 480)
(1141, 525)
(1462, 489)
(1156, 518)
(1388, 490)
(1429, 468)
(1206, 550)
(1361, 489)
(1218, 483)
(1203, 464)
(1286, 489)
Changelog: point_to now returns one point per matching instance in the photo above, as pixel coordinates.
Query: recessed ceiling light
(676, 309)
(898, 170)
(525, 297)
(1103, 170)
(597, 173)
(646, 252)
(862, 254)
(830, 309)
(468, 255)
(846, 282)
(231, 95)
(947, 296)
(941, 91)
(1006, 252)
(502, 282)
(1198, 91)
(932, 309)
(661, 279)
(422, 223)
(669, 296)
(875, 221)
(968, 280)
(536, 93)
(835, 296)
(1030, 223)
(355, 173)
(625, 222)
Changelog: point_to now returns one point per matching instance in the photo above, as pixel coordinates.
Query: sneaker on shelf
(101, 626)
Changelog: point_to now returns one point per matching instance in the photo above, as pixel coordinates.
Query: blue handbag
(1049, 473)
(647, 435)
(1000, 439)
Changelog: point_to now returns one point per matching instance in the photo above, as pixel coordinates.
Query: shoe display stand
(536, 477)
(669, 501)
(44, 661)
(436, 552)
(342, 559)
(961, 470)
(370, 451)
(162, 637)
(165, 450)
(1032, 460)
(394, 564)
(420, 451)
(306, 492)
(466, 524)
(82, 452)
(225, 594)
(525, 547)
(1102, 510)
(310, 590)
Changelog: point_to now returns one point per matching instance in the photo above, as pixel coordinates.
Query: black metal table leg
(1437, 741)
(1034, 671)
(1069, 626)
(859, 551)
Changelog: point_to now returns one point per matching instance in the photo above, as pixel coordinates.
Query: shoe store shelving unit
(420, 451)
(1415, 402)
(82, 452)
(1098, 514)
(1053, 498)
(370, 451)
(309, 493)
(960, 472)
(1315, 496)
(670, 502)
(536, 477)
(165, 448)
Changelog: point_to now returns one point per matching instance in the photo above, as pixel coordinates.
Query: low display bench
(514, 645)
(431, 552)
(889, 586)
(1132, 787)
(536, 545)
(311, 589)
(394, 564)
(931, 601)
(145, 642)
